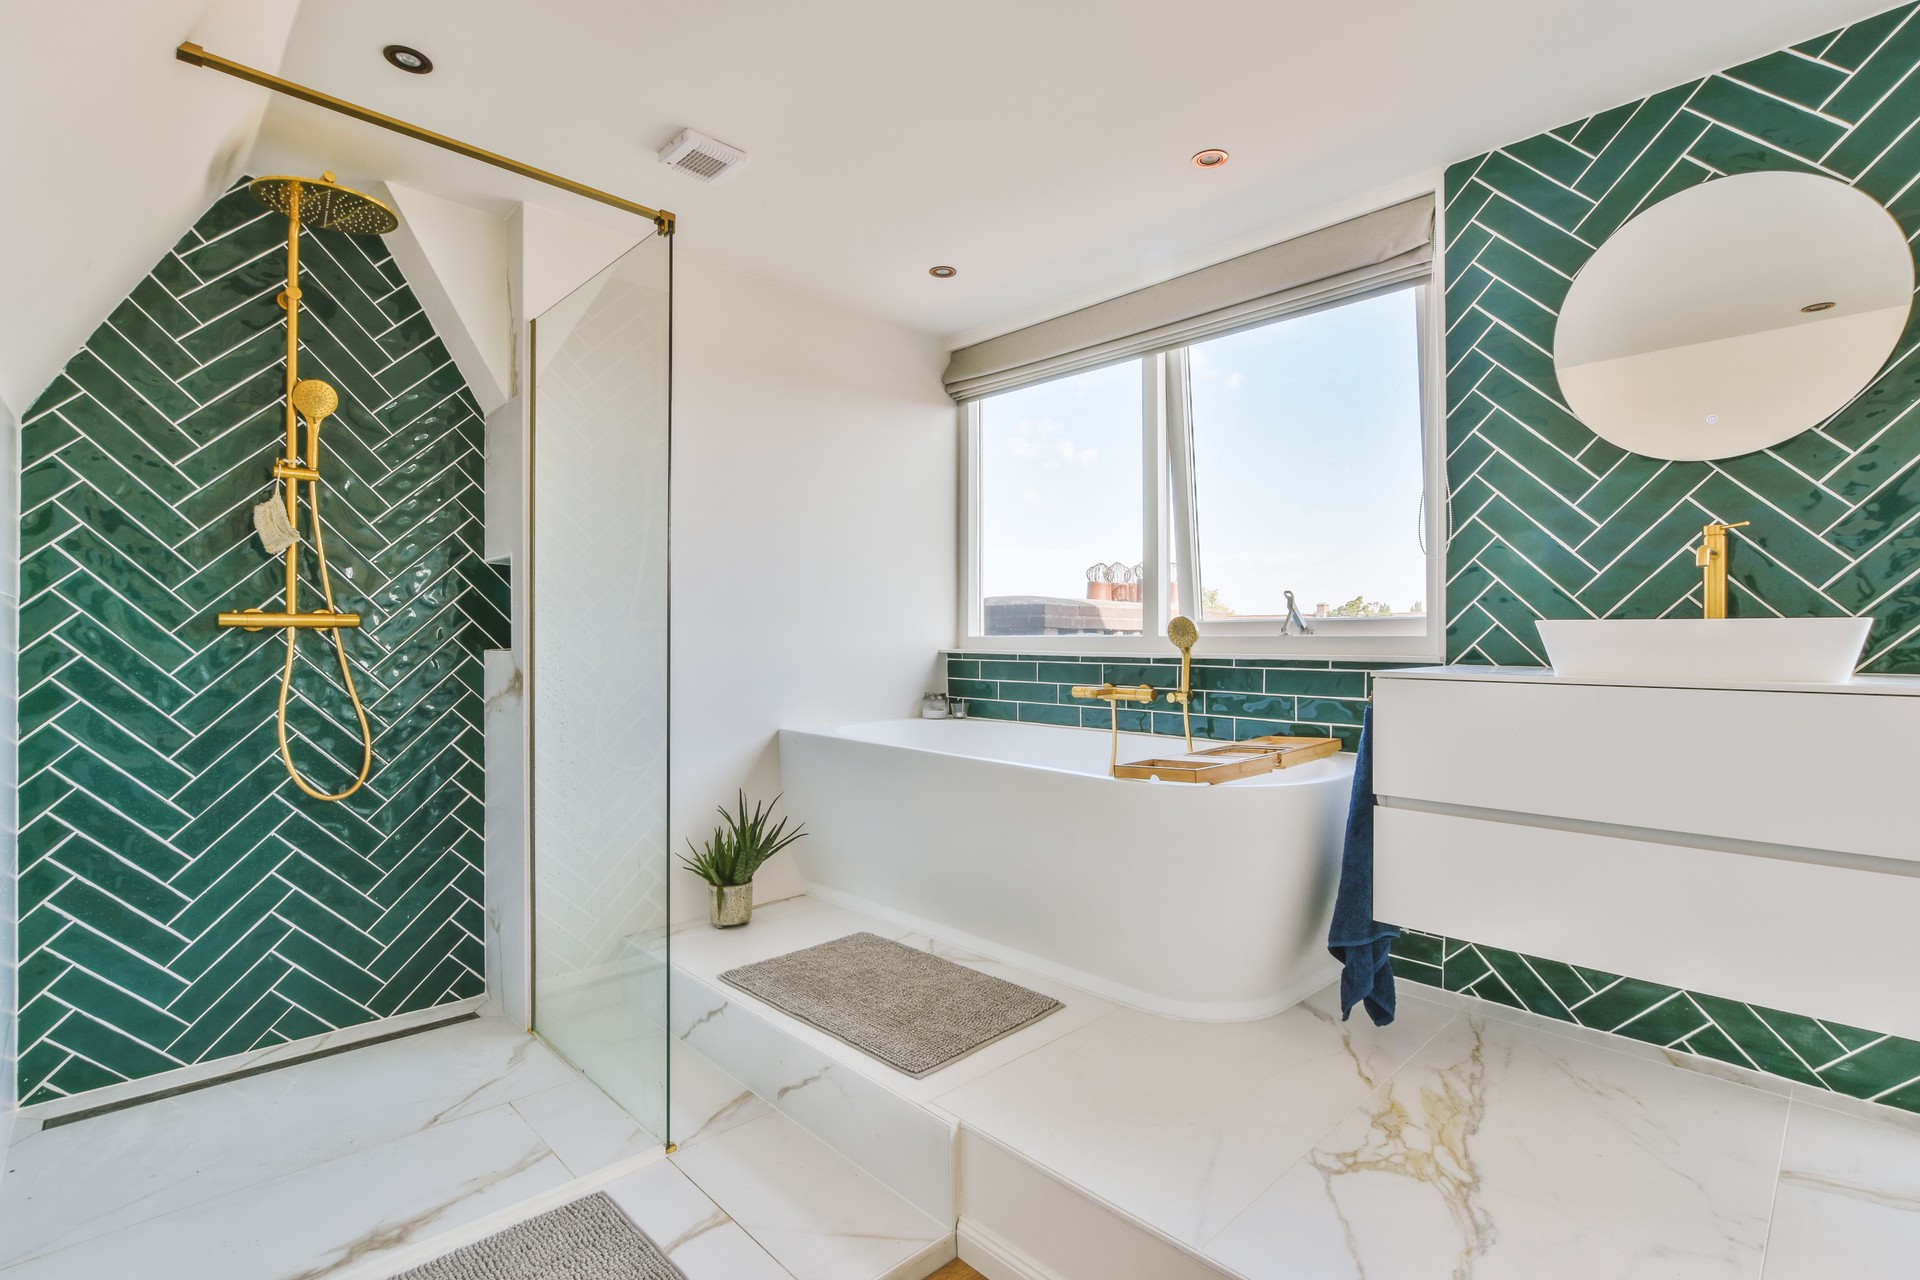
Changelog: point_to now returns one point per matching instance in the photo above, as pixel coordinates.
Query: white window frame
(1166, 441)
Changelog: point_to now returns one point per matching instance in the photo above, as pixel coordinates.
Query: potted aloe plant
(739, 847)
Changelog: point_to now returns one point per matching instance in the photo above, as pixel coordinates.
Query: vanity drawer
(1824, 771)
(1769, 931)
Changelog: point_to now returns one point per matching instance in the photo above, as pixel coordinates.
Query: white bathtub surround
(1203, 902)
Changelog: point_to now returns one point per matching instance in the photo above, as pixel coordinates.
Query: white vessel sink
(1720, 650)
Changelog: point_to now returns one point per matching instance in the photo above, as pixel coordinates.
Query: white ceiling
(1039, 145)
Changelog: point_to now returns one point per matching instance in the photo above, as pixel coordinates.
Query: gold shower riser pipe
(254, 619)
(194, 55)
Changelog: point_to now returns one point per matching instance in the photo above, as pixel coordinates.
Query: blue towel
(1359, 942)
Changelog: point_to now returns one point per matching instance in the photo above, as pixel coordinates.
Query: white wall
(121, 147)
(815, 462)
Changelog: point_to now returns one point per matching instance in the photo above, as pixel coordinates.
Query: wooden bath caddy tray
(1237, 760)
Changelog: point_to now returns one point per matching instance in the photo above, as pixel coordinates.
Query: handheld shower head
(315, 399)
(325, 206)
(1183, 633)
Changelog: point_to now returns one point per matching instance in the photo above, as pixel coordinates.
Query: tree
(1212, 606)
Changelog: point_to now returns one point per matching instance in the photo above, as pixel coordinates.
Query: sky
(1307, 466)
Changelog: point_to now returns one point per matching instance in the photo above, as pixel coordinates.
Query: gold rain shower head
(325, 206)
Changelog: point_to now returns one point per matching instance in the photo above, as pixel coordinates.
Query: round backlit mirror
(1733, 315)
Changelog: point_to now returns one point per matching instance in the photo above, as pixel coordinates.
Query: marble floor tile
(691, 1229)
(1848, 1203)
(1182, 1124)
(1605, 1039)
(97, 1175)
(815, 1211)
(324, 1219)
(1505, 1153)
(588, 1130)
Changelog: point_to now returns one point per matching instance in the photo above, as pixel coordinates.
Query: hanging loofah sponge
(276, 531)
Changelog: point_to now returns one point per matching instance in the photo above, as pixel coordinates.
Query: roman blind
(1386, 247)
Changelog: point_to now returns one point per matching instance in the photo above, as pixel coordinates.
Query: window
(1307, 465)
(1059, 468)
(1289, 457)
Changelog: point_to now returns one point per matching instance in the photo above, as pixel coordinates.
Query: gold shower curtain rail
(194, 55)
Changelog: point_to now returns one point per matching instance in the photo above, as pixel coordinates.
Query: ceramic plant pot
(732, 905)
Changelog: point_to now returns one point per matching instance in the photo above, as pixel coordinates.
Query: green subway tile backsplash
(1551, 522)
(179, 900)
(1239, 698)
(1826, 1055)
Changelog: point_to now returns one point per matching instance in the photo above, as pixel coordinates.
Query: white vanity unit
(1760, 842)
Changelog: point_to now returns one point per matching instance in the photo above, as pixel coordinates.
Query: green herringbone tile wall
(1549, 520)
(179, 900)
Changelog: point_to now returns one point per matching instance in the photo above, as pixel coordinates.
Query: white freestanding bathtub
(1203, 902)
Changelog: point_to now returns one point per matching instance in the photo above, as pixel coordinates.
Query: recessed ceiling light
(943, 273)
(1819, 306)
(1211, 158)
(409, 60)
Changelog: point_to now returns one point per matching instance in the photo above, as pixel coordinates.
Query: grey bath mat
(913, 1011)
(589, 1239)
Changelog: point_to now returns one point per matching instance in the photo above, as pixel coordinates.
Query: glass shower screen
(598, 677)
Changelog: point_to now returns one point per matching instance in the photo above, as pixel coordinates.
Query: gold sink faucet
(1711, 556)
(1113, 695)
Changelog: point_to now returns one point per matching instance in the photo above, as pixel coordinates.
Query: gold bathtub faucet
(1711, 556)
(1113, 695)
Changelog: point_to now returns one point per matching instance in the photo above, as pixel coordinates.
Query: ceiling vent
(701, 157)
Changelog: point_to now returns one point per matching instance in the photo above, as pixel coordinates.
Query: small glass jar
(933, 706)
(957, 708)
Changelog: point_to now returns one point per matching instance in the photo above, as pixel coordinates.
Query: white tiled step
(881, 1119)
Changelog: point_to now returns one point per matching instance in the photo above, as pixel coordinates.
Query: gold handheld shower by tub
(334, 208)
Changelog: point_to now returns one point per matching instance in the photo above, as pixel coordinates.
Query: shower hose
(339, 645)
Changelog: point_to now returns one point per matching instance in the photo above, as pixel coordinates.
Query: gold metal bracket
(193, 55)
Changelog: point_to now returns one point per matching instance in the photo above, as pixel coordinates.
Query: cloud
(1233, 382)
(1044, 440)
